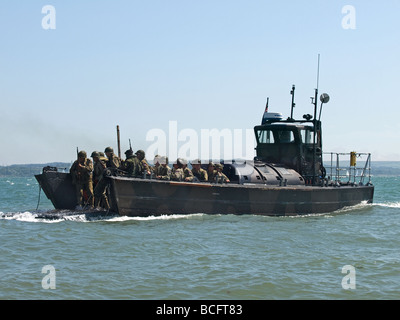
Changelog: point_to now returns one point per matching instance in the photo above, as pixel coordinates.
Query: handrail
(340, 172)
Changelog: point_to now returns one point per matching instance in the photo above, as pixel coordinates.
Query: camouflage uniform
(157, 166)
(156, 170)
(164, 173)
(199, 173)
(99, 184)
(113, 161)
(211, 173)
(131, 164)
(177, 174)
(82, 171)
(143, 164)
(220, 177)
(187, 174)
(99, 163)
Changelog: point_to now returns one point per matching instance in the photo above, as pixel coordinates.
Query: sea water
(349, 254)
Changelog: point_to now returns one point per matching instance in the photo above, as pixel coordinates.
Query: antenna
(318, 72)
(314, 99)
(293, 104)
(314, 102)
(118, 143)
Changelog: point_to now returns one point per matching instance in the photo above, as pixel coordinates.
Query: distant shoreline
(378, 168)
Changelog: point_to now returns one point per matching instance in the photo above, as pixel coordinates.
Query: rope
(40, 189)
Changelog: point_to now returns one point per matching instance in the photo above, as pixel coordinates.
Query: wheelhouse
(291, 144)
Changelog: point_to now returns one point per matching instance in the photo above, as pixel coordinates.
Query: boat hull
(58, 188)
(139, 197)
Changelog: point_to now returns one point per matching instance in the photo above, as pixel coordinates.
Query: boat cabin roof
(284, 132)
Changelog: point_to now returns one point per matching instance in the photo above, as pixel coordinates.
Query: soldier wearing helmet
(211, 172)
(198, 172)
(164, 172)
(220, 177)
(157, 165)
(177, 171)
(187, 173)
(131, 164)
(100, 196)
(81, 172)
(144, 167)
(113, 161)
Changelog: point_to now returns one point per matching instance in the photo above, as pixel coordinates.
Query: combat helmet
(140, 153)
(82, 154)
(181, 161)
(129, 153)
(109, 149)
(219, 166)
(196, 161)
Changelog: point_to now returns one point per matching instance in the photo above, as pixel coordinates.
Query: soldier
(211, 172)
(187, 173)
(144, 167)
(220, 177)
(156, 168)
(81, 171)
(177, 171)
(131, 164)
(164, 173)
(198, 172)
(99, 184)
(98, 167)
(113, 161)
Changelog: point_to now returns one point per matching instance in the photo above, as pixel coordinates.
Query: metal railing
(346, 171)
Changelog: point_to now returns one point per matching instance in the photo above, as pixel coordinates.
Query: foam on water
(20, 216)
(55, 216)
(388, 204)
(162, 217)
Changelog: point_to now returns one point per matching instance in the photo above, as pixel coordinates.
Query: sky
(176, 73)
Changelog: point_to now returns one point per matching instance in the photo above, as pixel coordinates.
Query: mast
(118, 143)
(315, 123)
(293, 104)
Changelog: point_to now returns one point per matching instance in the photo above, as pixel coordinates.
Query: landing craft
(287, 176)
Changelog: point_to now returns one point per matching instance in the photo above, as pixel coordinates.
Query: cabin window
(265, 136)
(306, 135)
(286, 136)
(276, 136)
